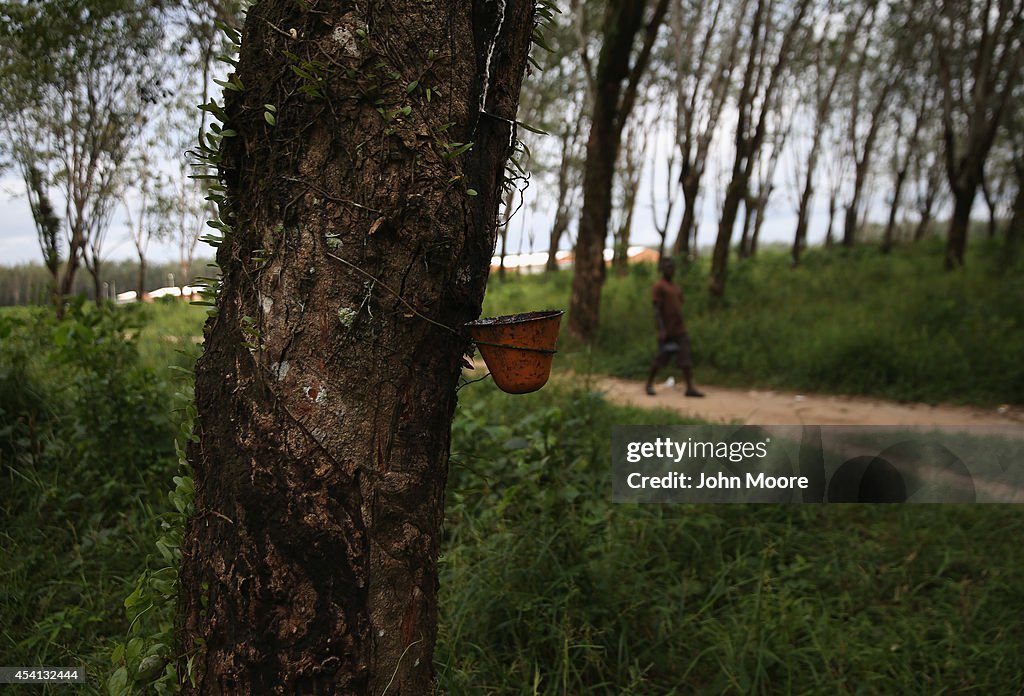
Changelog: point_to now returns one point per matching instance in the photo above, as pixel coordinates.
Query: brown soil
(758, 407)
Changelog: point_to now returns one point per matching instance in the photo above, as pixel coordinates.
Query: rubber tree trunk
(925, 211)
(1015, 230)
(563, 207)
(140, 280)
(749, 208)
(762, 205)
(327, 387)
(691, 187)
(852, 210)
(890, 228)
(558, 230)
(66, 285)
(507, 202)
(734, 194)
(588, 267)
(956, 238)
(802, 221)
(612, 105)
(832, 204)
(97, 282)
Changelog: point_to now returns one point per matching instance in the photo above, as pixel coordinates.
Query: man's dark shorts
(679, 346)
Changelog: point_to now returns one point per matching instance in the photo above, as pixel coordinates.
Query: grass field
(547, 587)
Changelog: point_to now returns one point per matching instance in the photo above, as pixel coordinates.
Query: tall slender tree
(772, 37)
(830, 62)
(904, 147)
(620, 67)
(705, 58)
(978, 55)
(82, 77)
(863, 134)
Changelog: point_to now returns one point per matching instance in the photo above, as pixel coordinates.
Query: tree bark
(990, 203)
(682, 246)
(558, 230)
(829, 237)
(762, 205)
(959, 225)
(926, 201)
(749, 209)
(629, 180)
(326, 391)
(1015, 230)
(720, 256)
(140, 282)
(903, 169)
(93, 266)
(890, 227)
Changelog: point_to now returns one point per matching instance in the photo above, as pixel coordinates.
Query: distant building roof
(536, 261)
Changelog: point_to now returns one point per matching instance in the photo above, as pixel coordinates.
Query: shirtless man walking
(672, 336)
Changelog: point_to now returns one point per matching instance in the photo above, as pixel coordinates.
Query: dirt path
(727, 405)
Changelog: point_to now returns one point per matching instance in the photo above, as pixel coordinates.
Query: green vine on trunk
(145, 661)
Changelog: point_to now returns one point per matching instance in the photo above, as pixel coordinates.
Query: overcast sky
(529, 228)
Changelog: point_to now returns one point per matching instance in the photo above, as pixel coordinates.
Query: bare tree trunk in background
(46, 221)
(762, 205)
(991, 204)
(902, 166)
(685, 236)
(894, 208)
(959, 225)
(832, 204)
(94, 264)
(971, 117)
(510, 196)
(661, 223)
(137, 226)
(822, 112)
(702, 89)
(613, 102)
(1015, 230)
(564, 205)
(749, 211)
(925, 204)
(757, 202)
(558, 230)
(761, 79)
(862, 160)
(327, 387)
(629, 180)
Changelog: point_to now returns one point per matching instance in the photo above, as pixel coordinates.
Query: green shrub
(86, 438)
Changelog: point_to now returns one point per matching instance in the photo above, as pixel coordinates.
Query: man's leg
(690, 389)
(650, 378)
(686, 365)
(659, 361)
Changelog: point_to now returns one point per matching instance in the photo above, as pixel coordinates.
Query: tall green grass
(86, 449)
(549, 588)
(853, 322)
